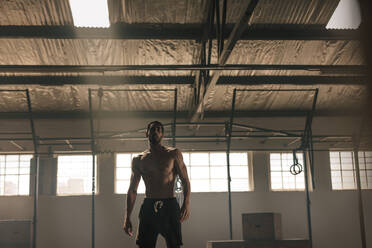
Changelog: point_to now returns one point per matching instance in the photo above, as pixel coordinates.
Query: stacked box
(288, 243)
(262, 226)
(261, 230)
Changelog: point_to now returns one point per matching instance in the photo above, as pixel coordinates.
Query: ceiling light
(346, 16)
(90, 13)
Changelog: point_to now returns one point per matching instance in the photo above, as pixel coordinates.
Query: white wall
(65, 221)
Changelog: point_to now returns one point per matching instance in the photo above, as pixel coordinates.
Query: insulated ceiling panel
(98, 52)
(299, 12)
(329, 98)
(35, 12)
(294, 52)
(75, 98)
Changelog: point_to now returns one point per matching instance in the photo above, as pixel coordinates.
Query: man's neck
(156, 147)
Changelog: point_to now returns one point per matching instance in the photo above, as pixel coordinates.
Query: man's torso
(158, 172)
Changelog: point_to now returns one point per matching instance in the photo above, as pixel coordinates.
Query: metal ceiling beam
(239, 27)
(174, 32)
(169, 114)
(361, 69)
(180, 80)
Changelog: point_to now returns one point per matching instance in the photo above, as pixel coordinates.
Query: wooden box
(262, 226)
(287, 243)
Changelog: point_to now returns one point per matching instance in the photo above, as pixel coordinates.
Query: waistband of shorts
(159, 199)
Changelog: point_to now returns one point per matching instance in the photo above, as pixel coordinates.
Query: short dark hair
(155, 123)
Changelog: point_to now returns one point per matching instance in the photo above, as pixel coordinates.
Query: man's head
(155, 132)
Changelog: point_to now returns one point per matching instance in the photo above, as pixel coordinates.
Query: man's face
(155, 134)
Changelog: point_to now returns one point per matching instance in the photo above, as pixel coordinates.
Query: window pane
(74, 175)
(25, 171)
(11, 169)
(197, 159)
(238, 158)
(369, 165)
(218, 158)
(122, 186)
(186, 158)
(123, 160)
(288, 181)
(239, 171)
(336, 183)
(11, 185)
(347, 164)
(123, 173)
(239, 185)
(276, 180)
(2, 181)
(199, 172)
(281, 178)
(24, 184)
(219, 172)
(141, 187)
(199, 185)
(275, 156)
(275, 165)
(219, 185)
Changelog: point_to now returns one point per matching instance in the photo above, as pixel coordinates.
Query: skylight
(90, 13)
(346, 16)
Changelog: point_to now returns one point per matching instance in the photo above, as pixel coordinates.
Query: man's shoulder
(173, 150)
(141, 155)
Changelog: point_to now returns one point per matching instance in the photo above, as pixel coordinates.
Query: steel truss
(306, 146)
(100, 93)
(35, 164)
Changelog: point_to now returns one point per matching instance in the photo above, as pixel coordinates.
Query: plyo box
(262, 226)
(287, 243)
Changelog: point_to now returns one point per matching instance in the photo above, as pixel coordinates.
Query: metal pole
(92, 144)
(36, 172)
(229, 127)
(310, 136)
(174, 118)
(360, 199)
(308, 199)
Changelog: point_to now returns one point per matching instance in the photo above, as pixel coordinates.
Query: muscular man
(160, 212)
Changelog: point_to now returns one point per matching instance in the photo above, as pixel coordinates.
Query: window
(281, 177)
(123, 173)
(92, 13)
(15, 174)
(207, 171)
(74, 175)
(346, 16)
(343, 174)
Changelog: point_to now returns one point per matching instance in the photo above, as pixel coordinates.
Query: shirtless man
(160, 212)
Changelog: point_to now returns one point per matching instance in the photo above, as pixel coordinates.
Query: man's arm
(182, 173)
(131, 196)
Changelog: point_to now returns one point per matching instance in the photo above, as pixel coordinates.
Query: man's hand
(185, 212)
(128, 227)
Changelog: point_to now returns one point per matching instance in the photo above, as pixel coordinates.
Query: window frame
(353, 170)
(130, 166)
(18, 175)
(250, 177)
(288, 190)
(97, 178)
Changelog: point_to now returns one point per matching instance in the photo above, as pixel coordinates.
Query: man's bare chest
(150, 164)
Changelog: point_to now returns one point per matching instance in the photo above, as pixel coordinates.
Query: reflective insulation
(329, 98)
(315, 12)
(35, 12)
(75, 98)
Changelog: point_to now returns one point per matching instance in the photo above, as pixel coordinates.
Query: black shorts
(159, 216)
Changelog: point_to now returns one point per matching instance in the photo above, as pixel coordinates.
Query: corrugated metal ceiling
(268, 14)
